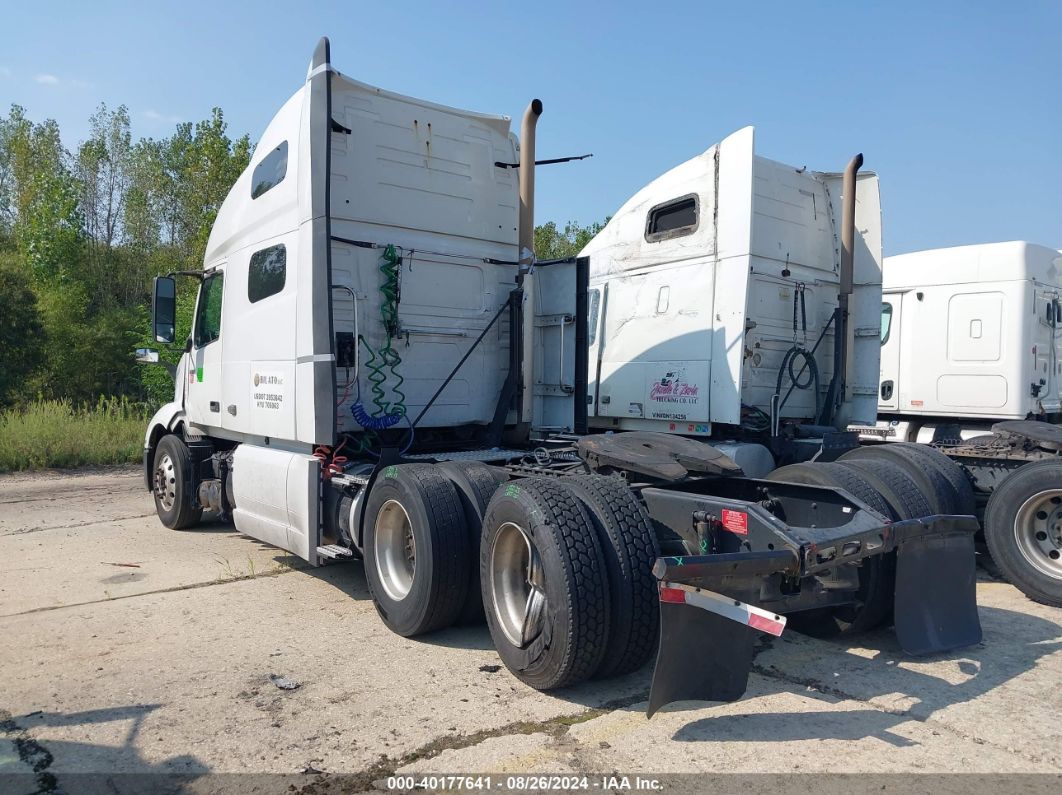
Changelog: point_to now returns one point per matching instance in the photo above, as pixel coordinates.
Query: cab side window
(886, 322)
(208, 312)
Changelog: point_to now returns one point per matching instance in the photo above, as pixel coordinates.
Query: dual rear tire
(873, 599)
(899, 481)
(417, 549)
(564, 573)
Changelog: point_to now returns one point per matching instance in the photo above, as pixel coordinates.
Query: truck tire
(544, 583)
(957, 478)
(835, 476)
(1023, 528)
(899, 489)
(171, 485)
(629, 544)
(877, 574)
(940, 478)
(475, 483)
(417, 553)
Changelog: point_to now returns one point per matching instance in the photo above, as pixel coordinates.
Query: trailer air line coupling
(704, 524)
(388, 413)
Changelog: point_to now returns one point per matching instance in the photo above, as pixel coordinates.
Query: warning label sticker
(736, 522)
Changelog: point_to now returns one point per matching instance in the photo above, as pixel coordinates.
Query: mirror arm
(200, 275)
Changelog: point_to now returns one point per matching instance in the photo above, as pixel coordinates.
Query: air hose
(799, 351)
(386, 360)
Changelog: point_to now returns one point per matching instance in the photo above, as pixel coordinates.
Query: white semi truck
(379, 368)
(969, 337)
(971, 362)
(969, 351)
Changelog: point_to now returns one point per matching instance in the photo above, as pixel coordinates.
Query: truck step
(335, 552)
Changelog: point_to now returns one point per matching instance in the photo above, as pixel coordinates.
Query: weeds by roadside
(56, 433)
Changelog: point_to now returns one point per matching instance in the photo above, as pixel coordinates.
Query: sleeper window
(266, 273)
(270, 172)
(672, 219)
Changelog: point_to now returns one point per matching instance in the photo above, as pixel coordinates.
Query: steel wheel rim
(396, 550)
(517, 585)
(166, 482)
(1038, 532)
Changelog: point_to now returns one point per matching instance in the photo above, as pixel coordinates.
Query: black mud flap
(706, 643)
(936, 594)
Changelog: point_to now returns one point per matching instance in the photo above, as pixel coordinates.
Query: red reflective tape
(767, 625)
(736, 522)
(673, 595)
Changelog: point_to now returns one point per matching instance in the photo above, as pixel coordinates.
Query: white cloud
(154, 115)
(47, 80)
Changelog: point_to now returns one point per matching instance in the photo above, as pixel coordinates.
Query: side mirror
(164, 309)
(147, 356)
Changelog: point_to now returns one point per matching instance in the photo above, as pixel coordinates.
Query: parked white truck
(971, 362)
(379, 368)
(969, 337)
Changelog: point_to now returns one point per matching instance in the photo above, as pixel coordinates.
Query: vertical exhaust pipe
(846, 278)
(527, 182)
(525, 278)
(848, 189)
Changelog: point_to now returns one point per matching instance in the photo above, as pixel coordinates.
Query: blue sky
(956, 105)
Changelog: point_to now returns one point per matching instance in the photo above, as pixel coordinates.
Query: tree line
(82, 233)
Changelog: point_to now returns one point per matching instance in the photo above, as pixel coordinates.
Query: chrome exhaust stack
(525, 278)
(846, 278)
(527, 183)
(848, 188)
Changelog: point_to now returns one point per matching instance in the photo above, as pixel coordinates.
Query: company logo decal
(269, 391)
(673, 396)
(674, 388)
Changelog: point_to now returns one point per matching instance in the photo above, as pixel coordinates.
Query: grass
(56, 433)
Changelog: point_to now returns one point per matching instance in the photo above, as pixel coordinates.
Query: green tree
(553, 243)
(12, 131)
(104, 165)
(48, 222)
(188, 176)
(21, 329)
